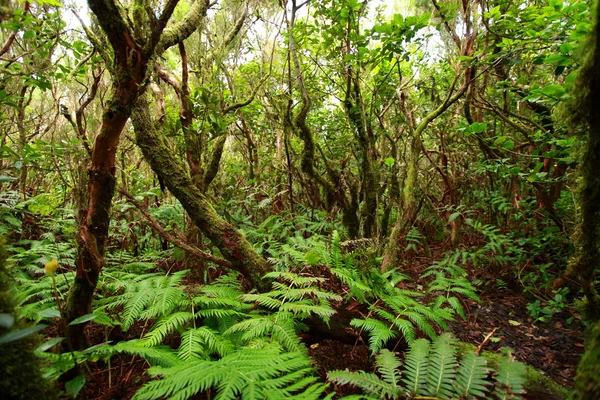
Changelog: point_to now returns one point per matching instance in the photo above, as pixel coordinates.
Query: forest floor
(554, 348)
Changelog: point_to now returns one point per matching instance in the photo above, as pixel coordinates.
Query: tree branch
(158, 228)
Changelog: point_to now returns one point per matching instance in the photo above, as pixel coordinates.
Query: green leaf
(555, 91)
(509, 144)
(389, 161)
(4, 178)
(21, 333)
(49, 344)
(478, 127)
(49, 313)
(83, 318)
(75, 384)
(453, 216)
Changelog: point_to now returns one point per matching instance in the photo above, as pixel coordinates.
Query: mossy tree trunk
(587, 380)
(334, 187)
(133, 49)
(202, 173)
(233, 246)
(588, 239)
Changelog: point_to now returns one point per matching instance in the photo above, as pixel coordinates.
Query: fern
(431, 371)
(379, 332)
(156, 355)
(370, 383)
(203, 341)
(388, 366)
(404, 315)
(442, 367)
(296, 295)
(145, 297)
(166, 325)
(470, 376)
(280, 326)
(250, 373)
(417, 362)
(511, 379)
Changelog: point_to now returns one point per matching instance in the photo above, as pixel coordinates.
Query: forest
(299, 199)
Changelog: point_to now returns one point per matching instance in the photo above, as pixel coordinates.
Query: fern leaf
(134, 308)
(165, 326)
(416, 362)
(369, 382)
(388, 366)
(191, 346)
(471, 375)
(157, 355)
(379, 332)
(442, 366)
(265, 300)
(511, 379)
(257, 327)
(407, 329)
(283, 332)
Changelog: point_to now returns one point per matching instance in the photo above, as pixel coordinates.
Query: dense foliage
(219, 188)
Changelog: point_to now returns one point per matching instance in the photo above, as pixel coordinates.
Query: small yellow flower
(50, 267)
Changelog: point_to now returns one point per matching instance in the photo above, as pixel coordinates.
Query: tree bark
(233, 246)
(133, 49)
(588, 239)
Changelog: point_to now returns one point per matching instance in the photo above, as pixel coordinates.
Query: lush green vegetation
(196, 197)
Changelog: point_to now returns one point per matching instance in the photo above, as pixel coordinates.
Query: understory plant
(233, 343)
(436, 370)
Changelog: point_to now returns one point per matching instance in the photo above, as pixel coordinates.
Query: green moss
(587, 379)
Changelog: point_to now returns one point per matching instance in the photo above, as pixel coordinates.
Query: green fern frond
(252, 328)
(421, 322)
(431, 371)
(264, 299)
(511, 379)
(251, 373)
(200, 342)
(158, 355)
(353, 279)
(164, 302)
(294, 280)
(380, 332)
(283, 332)
(407, 329)
(368, 382)
(388, 366)
(471, 376)
(307, 308)
(134, 307)
(441, 369)
(220, 302)
(167, 325)
(191, 346)
(417, 362)
(218, 313)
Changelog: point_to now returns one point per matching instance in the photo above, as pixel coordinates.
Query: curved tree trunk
(233, 246)
(133, 49)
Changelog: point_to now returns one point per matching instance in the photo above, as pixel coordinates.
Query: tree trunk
(93, 230)
(588, 239)
(233, 246)
(133, 49)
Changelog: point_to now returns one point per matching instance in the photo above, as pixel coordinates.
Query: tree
(136, 37)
